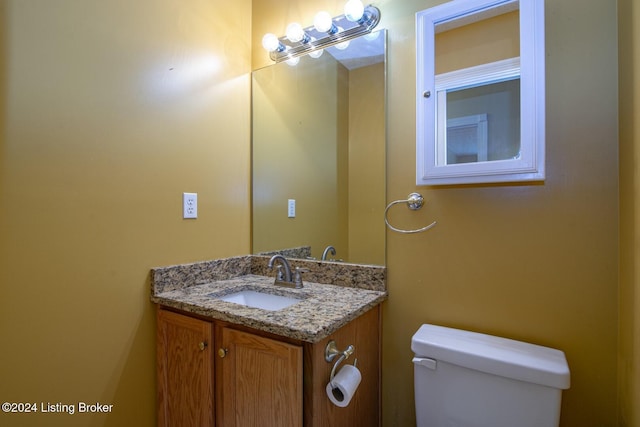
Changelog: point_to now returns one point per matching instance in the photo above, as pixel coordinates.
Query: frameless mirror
(318, 154)
(480, 101)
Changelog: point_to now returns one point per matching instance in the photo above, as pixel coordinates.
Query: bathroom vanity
(229, 364)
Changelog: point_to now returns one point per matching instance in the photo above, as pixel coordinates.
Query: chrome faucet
(285, 279)
(327, 250)
(285, 264)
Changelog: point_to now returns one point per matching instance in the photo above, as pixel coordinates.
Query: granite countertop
(323, 308)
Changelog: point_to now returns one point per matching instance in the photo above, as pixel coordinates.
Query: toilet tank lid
(494, 355)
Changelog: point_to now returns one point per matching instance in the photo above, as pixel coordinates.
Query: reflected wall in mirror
(480, 106)
(318, 135)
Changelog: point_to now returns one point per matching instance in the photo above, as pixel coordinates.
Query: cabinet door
(185, 374)
(259, 381)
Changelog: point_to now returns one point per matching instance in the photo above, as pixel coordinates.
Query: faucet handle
(298, 276)
(279, 273)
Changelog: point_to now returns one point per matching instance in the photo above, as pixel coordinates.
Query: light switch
(291, 208)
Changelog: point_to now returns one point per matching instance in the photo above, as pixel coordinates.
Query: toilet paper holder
(330, 353)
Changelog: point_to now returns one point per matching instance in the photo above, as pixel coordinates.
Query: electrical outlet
(291, 208)
(190, 205)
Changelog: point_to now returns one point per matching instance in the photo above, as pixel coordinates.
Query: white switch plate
(190, 205)
(291, 208)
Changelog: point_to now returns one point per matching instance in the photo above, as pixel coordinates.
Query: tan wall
(298, 136)
(482, 42)
(629, 360)
(108, 112)
(367, 150)
(531, 262)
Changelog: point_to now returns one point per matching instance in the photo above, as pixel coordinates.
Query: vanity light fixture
(342, 45)
(293, 61)
(353, 10)
(271, 43)
(316, 53)
(295, 33)
(323, 23)
(326, 31)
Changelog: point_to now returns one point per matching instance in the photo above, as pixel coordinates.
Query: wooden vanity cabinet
(364, 410)
(185, 370)
(260, 379)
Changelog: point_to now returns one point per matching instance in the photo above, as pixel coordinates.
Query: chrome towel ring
(414, 202)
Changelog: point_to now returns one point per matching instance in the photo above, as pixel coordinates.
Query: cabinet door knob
(202, 345)
(223, 352)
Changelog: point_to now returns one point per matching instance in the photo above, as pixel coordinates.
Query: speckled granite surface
(173, 277)
(372, 277)
(323, 308)
(302, 252)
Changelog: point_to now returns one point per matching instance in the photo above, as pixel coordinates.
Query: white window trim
(529, 166)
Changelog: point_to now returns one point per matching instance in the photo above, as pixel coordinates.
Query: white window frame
(530, 165)
(478, 124)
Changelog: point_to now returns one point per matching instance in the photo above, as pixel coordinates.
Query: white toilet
(467, 379)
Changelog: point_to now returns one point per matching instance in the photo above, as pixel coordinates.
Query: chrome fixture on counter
(285, 279)
(328, 249)
(325, 32)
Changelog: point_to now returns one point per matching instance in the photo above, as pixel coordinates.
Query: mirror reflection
(478, 95)
(318, 135)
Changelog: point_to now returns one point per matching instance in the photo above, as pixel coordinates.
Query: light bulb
(271, 43)
(372, 36)
(293, 61)
(343, 45)
(316, 53)
(353, 10)
(295, 33)
(323, 22)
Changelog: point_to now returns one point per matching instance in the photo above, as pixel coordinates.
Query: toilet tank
(467, 379)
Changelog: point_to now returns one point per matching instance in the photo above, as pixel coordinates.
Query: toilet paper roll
(344, 385)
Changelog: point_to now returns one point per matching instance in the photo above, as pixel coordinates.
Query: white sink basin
(260, 300)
